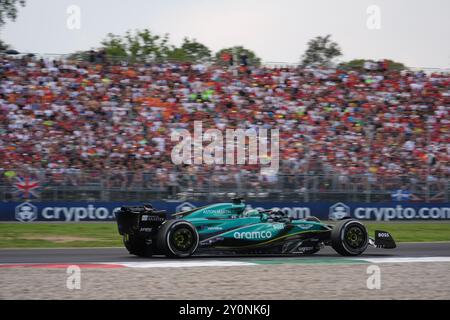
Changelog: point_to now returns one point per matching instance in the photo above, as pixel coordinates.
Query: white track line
(183, 264)
(218, 263)
(406, 259)
(221, 263)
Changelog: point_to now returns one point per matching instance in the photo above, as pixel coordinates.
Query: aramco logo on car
(253, 235)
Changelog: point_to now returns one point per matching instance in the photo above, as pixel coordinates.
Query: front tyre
(349, 238)
(177, 239)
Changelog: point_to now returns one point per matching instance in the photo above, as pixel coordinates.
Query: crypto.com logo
(339, 211)
(191, 150)
(185, 206)
(26, 212)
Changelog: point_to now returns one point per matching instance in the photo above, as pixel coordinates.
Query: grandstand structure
(143, 186)
(100, 131)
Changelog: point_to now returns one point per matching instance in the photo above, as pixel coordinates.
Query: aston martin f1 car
(230, 227)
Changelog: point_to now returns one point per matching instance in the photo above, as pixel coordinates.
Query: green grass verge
(60, 235)
(413, 232)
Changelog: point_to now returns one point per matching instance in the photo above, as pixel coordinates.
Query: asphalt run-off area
(108, 257)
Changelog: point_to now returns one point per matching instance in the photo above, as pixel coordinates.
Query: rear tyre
(177, 239)
(137, 246)
(349, 237)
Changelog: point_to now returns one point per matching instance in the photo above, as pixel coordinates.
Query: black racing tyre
(137, 246)
(177, 239)
(349, 237)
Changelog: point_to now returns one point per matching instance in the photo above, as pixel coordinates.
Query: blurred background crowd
(69, 121)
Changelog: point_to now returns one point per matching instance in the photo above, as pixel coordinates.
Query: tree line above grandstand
(145, 46)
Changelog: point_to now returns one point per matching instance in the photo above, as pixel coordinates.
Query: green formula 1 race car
(229, 227)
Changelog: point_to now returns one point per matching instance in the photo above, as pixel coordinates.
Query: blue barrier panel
(104, 211)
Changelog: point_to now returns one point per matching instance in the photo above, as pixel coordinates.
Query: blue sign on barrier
(104, 211)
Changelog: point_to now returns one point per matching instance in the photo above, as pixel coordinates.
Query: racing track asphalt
(90, 255)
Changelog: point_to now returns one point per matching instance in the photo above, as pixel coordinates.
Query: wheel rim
(182, 239)
(355, 237)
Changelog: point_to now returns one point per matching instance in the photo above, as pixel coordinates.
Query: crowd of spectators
(64, 117)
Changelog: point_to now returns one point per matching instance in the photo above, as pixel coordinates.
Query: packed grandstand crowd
(63, 117)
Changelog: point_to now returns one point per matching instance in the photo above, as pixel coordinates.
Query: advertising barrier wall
(104, 211)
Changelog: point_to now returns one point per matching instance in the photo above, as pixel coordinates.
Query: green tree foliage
(4, 46)
(8, 10)
(236, 52)
(143, 45)
(358, 64)
(321, 51)
(136, 46)
(191, 51)
(115, 46)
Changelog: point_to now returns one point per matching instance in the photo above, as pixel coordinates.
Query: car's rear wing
(139, 219)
